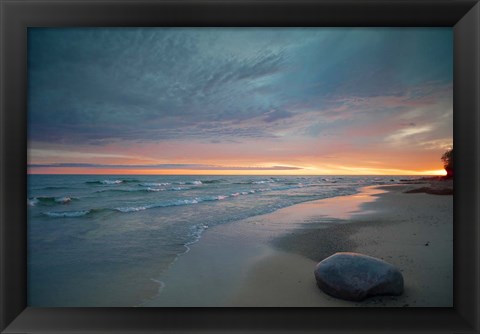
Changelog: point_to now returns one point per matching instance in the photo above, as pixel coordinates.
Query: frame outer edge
(477, 310)
(2, 141)
(475, 164)
(467, 133)
(12, 163)
(477, 167)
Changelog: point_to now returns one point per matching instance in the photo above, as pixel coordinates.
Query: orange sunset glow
(360, 171)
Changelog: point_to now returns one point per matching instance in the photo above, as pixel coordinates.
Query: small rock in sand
(354, 276)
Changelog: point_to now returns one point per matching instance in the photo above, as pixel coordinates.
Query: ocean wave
(32, 201)
(212, 181)
(196, 232)
(132, 209)
(154, 184)
(330, 180)
(142, 190)
(191, 201)
(196, 182)
(119, 190)
(179, 188)
(129, 190)
(68, 214)
(160, 205)
(63, 200)
(111, 182)
(286, 187)
(242, 193)
(78, 213)
(45, 200)
(263, 181)
(258, 182)
(146, 206)
(105, 182)
(195, 200)
(52, 188)
(155, 189)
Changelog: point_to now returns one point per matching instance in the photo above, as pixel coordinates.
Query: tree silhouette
(447, 159)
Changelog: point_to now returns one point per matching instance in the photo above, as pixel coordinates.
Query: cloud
(162, 166)
(50, 153)
(109, 83)
(408, 132)
(149, 84)
(154, 97)
(275, 115)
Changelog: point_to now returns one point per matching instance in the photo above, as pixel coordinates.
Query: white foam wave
(32, 201)
(45, 200)
(158, 205)
(161, 284)
(179, 188)
(63, 200)
(196, 233)
(111, 181)
(196, 182)
(190, 201)
(155, 189)
(67, 214)
(132, 209)
(187, 201)
(263, 181)
(154, 184)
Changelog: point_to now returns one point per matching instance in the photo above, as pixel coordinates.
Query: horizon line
(226, 175)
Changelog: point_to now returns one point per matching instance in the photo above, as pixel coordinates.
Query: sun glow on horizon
(299, 172)
(440, 172)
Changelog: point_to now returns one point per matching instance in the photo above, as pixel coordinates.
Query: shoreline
(268, 260)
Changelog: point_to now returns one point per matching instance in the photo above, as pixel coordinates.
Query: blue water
(103, 240)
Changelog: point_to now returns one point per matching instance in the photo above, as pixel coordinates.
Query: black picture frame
(17, 15)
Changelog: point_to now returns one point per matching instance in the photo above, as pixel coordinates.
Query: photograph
(240, 167)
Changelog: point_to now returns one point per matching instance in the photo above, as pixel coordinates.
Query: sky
(270, 101)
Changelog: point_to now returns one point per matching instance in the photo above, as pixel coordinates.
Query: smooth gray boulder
(354, 276)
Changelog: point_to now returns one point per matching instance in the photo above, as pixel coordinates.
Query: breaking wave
(45, 200)
(110, 182)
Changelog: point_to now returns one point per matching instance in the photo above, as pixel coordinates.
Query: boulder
(354, 277)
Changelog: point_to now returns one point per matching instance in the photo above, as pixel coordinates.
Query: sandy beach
(269, 260)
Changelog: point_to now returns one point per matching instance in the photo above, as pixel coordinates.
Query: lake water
(106, 240)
